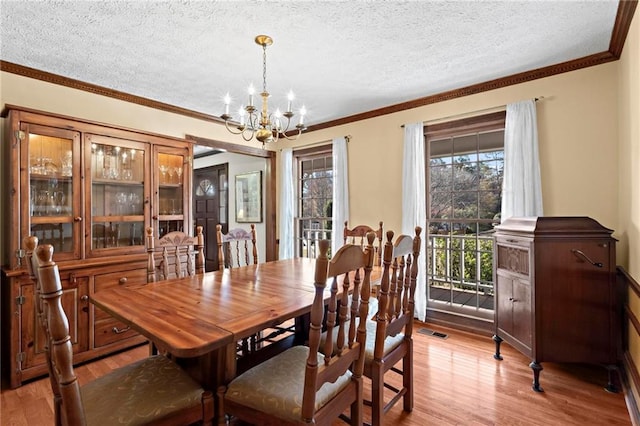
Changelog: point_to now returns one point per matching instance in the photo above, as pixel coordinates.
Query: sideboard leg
(498, 340)
(537, 368)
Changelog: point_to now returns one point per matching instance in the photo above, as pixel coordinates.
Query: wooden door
(210, 207)
(75, 302)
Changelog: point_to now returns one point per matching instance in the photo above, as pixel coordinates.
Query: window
(465, 168)
(314, 199)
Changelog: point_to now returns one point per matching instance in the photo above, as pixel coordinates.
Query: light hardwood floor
(457, 382)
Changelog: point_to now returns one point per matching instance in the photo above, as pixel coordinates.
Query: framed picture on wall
(249, 197)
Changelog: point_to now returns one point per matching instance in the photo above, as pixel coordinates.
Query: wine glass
(179, 174)
(163, 170)
(170, 171)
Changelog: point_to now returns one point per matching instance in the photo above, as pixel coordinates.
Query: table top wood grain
(195, 315)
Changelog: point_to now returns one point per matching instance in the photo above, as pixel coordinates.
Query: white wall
(238, 164)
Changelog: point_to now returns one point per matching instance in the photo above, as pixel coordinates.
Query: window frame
(457, 129)
(299, 157)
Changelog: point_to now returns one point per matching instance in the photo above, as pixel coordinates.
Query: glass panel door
(51, 168)
(172, 174)
(118, 194)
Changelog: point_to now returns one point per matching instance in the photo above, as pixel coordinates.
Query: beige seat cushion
(139, 393)
(389, 343)
(276, 386)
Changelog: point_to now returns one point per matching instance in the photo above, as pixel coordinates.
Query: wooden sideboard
(89, 189)
(556, 292)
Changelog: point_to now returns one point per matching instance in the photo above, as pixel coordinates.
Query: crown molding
(624, 17)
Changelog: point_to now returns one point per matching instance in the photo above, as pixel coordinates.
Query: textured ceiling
(339, 57)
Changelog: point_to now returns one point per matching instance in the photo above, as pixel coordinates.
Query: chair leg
(207, 408)
(222, 417)
(377, 393)
(407, 377)
(357, 405)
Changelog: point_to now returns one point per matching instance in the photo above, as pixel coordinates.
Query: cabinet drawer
(110, 330)
(113, 279)
(508, 240)
(130, 277)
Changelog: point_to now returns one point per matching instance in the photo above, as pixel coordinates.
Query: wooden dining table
(198, 319)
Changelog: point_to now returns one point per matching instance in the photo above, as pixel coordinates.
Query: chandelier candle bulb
(227, 102)
(303, 111)
(290, 97)
(252, 90)
(241, 112)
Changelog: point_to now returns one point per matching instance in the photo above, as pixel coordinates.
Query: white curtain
(286, 204)
(521, 188)
(414, 204)
(340, 205)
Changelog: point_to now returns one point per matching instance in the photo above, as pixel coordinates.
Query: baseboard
(460, 322)
(630, 383)
(629, 375)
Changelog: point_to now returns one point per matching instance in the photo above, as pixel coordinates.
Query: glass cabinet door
(51, 203)
(118, 195)
(172, 174)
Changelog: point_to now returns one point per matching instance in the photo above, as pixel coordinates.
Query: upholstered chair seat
(276, 386)
(141, 393)
(390, 343)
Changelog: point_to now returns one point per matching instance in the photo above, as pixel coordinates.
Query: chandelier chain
(264, 69)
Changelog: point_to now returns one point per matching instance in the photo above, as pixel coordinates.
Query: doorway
(210, 207)
(269, 185)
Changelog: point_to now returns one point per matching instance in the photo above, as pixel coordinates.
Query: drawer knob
(84, 298)
(123, 280)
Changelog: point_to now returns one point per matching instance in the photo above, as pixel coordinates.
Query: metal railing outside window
(309, 231)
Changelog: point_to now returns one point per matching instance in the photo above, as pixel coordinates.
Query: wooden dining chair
(301, 385)
(179, 255)
(237, 247)
(389, 336)
(358, 234)
(152, 391)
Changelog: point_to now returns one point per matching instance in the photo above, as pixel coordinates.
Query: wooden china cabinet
(90, 190)
(557, 297)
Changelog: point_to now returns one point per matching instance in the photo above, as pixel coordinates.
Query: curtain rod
(325, 142)
(474, 113)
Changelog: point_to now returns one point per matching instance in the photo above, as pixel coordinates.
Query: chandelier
(262, 124)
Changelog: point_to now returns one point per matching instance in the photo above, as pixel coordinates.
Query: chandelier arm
(226, 123)
(284, 135)
(251, 132)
